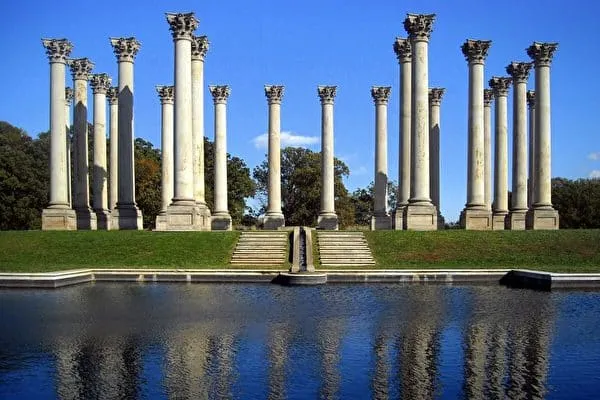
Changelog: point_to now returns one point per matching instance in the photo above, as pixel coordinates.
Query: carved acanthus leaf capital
(166, 94)
(57, 50)
(125, 48)
(419, 26)
(500, 85)
(531, 98)
(403, 49)
(81, 68)
(476, 51)
(199, 47)
(274, 94)
(113, 95)
(542, 53)
(488, 97)
(327, 94)
(182, 25)
(381, 94)
(519, 71)
(100, 83)
(68, 95)
(220, 93)
(435, 96)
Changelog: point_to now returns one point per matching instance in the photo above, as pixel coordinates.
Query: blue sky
(306, 43)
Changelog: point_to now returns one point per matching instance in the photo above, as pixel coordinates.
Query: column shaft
(68, 99)
(532, 151)
(167, 154)
(220, 162)
(114, 149)
(100, 173)
(274, 206)
(327, 216)
(381, 219)
(434, 153)
(198, 128)
(487, 148)
(405, 133)
(475, 174)
(519, 167)
(500, 86)
(80, 130)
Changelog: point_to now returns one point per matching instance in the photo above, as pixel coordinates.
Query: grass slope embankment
(553, 251)
(36, 251)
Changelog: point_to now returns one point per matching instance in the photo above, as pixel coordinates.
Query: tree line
(24, 185)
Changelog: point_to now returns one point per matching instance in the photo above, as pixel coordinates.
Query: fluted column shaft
(166, 96)
(199, 50)
(532, 151)
(487, 146)
(274, 96)
(220, 94)
(113, 179)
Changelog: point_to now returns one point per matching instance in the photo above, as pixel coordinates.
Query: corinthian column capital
(274, 94)
(220, 93)
(81, 68)
(500, 85)
(125, 48)
(519, 71)
(57, 50)
(476, 51)
(531, 98)
(435, 96)
(182, 25)
(488, 97)
(166, 94)
(419, 26)
(100, 83)
(199, 47)
(381, 94)
(403, 50)
(113, 95)
(542, 53)
(327, 94)
(68, 95)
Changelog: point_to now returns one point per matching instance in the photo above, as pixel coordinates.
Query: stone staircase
(344, 249)
(261, 248)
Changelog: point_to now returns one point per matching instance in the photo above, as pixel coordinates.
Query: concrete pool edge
(510, 277)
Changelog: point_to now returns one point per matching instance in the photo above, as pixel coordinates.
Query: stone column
(542, 215)
(381, 218)
(327, 217)
(81, 69)
(488, 96)
(68, 101)
(531, 178)
(166, 95)
(113, 170)
(500, 87)
(435, 101)
(475, 215)
(274, 218)
(100, 85)
(403, 52)
(199, 50)
(519, 71)
(126, 214)
(58, 215)
(420, 214)
(221, 220)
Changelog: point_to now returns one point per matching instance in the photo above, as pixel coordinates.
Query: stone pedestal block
(103, 219)
(59, 219)
(476, 219)
(398, 218)
(499, 221)
(126, 218)
(381, 222)
(327, 222)
(421, 217)
(181, 217)
(221, 222)
(541, 219)
(274, 221)
(516, 220)
(86, 219)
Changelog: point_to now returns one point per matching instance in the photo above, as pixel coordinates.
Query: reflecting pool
(267, 341)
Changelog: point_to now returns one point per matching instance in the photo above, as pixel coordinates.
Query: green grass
(556, 251)
(36, 251)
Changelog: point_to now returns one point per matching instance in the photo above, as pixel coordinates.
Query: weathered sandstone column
(68, 102)
(435, 101)
(327, 217)
(58, 215)
(80, 70)
(126, 214)
(403, 52)
(420, 214)
(500, 87)
(100, 85)
(199, 50)
(475, 215)
(381, 218)
(519, 71)
(488, 96)
(221, 220)
(166, 95)
(113, 178)
(531, 178)
(542, 215)
(274, 218)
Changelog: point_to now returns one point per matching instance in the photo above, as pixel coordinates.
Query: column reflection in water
(329, 335)
(278, 341)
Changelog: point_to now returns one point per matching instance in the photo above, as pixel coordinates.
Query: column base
(476, 219)
(127, 217)
(188, 217)
(86, 219)
(273, 221)
(499, 221)
(542, 219)
(59, 219)
(516, 220)
(398, 222)
(421, 217)
(381, 222)
(327, 221)
(103, 219)
(221, 222)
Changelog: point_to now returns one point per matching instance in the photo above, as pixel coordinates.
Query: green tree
(147, 180)
(362, 200)
(577, 202)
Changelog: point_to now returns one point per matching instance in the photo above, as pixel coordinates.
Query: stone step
(347, 262)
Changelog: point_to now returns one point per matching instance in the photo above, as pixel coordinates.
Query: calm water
(266, 341)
